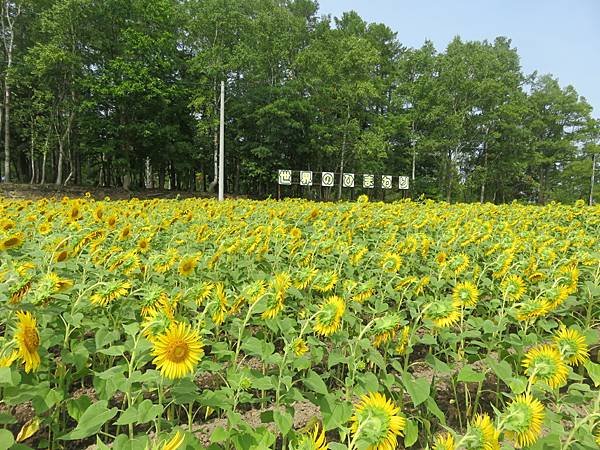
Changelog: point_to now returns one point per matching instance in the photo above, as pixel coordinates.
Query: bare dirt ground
(36, 191)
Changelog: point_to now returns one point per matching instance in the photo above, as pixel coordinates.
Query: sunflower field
(194, 324)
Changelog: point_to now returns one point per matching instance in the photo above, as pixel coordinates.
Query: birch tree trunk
(10, 11)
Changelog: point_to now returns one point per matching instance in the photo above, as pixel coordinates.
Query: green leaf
(284, 421)
(315, 383)
(7, 419)
(142, 413)
(593, 371)
(9, 377)
(131, 328)
(434, 409)
(91, 421)
(418, 389)
(254, 346)
(6, 439)
(517, 385)
(411, 433)
(220, 434)
(502, 369)
(335, 411)
(77, 406)
(468, 375)
(115, 350)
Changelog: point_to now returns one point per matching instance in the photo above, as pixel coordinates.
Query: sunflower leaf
(91, 421)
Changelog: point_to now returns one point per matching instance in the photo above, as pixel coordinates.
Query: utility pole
(222, 145)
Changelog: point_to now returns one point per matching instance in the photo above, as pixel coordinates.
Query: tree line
(118, 92)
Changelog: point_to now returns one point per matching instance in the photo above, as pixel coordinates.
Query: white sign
(305, 178)
(285, 177)
(386, 181)
(327, 179)
(402, 182)
(369, 181)
(348, 180)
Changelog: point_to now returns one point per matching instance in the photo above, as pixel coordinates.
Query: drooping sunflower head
(523, 420)
(377, 421)
(325, 281)
(557, 295)
(544, 363)
(391, 262)
(444, 312)
(8, 359)
(177, 351)
(27, 339)
(111, 291)
(385, 328)
(459, 263)
(329, 316)
(444, 441)
(533, 309)
(483, 435)
(572, 346)
(403, 341)
(465, 293)
(300, 347)
(304, 276)
(175, 442)
(313, 440)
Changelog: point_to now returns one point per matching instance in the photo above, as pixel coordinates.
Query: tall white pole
(222, 145)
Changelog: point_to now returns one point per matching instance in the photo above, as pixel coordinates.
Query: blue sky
(561, 37)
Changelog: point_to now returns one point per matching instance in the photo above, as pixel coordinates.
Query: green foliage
(108, 91)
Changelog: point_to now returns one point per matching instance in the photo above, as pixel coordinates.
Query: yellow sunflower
(175, 442)
(325, 281)
(444, 313)
(300, 347)
(187, 265)
(27, 339)
(483, 435)
(403, 341)
(572, 346)
(177, 351)
(329, 316)
(112, 291)
(385, 328)
(143, 245)
(275, 299)
(533, 309)
(6, 361)
(523, 420)
(314, 440)
(377, 421)
(10, 242)
(391, 262)
(44, 228)
(544, 363)
(465, 293)
(444, 442)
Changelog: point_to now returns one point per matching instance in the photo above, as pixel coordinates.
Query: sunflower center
(11, 242)
(31, 339)
(178, 351)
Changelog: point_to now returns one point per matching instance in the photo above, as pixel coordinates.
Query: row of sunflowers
(194, 324)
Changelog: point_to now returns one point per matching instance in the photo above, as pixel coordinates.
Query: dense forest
(117, 92)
